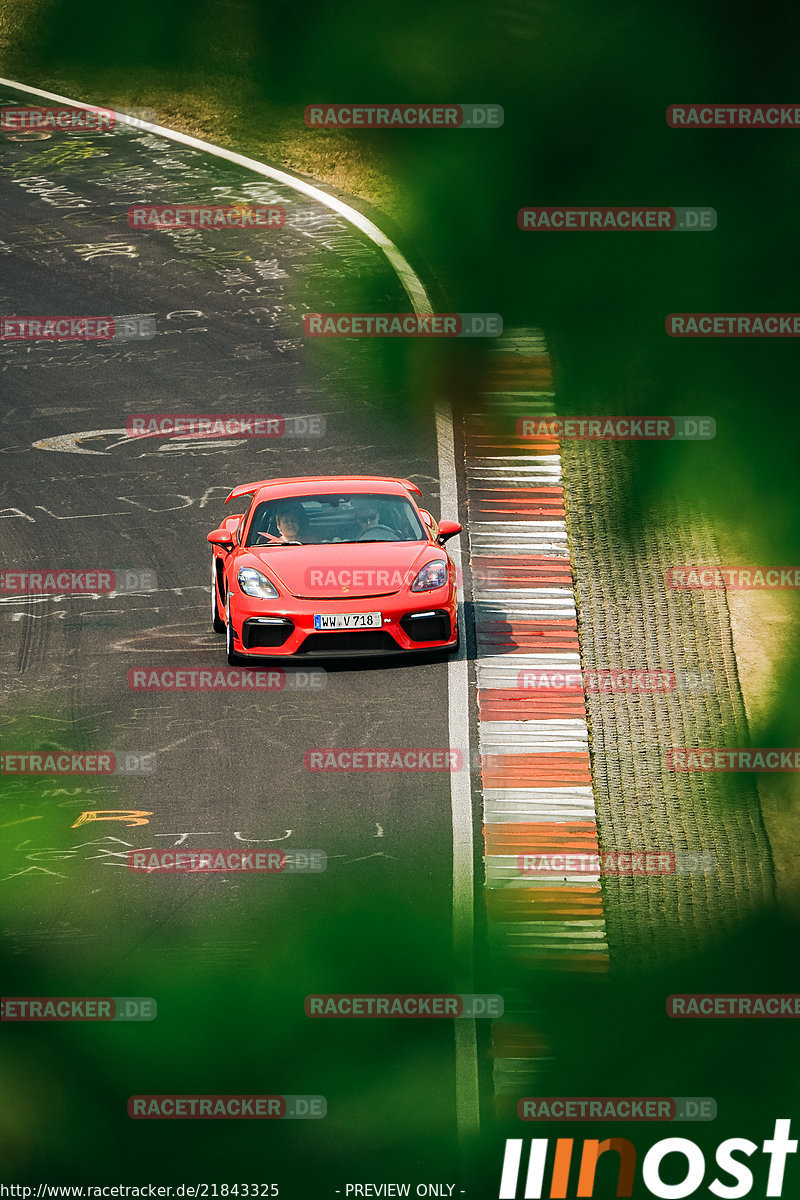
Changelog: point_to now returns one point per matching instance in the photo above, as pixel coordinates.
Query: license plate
(348, 620)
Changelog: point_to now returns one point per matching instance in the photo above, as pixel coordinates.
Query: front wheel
(233, 658)
(216, 620)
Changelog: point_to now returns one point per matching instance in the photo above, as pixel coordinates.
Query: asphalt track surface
(230, 767)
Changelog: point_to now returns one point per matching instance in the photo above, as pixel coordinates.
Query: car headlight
(433, 575)
(253, 583)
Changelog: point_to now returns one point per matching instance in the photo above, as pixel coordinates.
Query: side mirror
(221, 537)
(448, 529)
(428, 520)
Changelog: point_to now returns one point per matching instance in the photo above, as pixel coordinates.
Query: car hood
(349, 570)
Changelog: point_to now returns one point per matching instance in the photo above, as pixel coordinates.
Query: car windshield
(340, 517)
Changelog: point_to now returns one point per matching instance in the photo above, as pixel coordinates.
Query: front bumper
(286, 631)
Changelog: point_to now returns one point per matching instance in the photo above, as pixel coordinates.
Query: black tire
(216, 620)
(233, 658)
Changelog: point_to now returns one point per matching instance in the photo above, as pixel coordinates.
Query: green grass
(221, 102)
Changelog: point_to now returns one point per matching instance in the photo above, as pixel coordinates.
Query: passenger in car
(293, 524)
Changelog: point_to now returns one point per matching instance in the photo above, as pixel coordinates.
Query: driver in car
(368, 524)
(372, 524)
(367, 516)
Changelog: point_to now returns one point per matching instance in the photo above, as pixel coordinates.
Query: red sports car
(332, 565)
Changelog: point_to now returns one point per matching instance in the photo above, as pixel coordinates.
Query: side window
(262, 521)
(243, 522)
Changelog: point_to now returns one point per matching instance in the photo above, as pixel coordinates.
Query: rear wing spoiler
(246, 489)
(249, 489)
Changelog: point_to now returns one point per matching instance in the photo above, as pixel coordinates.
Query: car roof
(274, 489)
